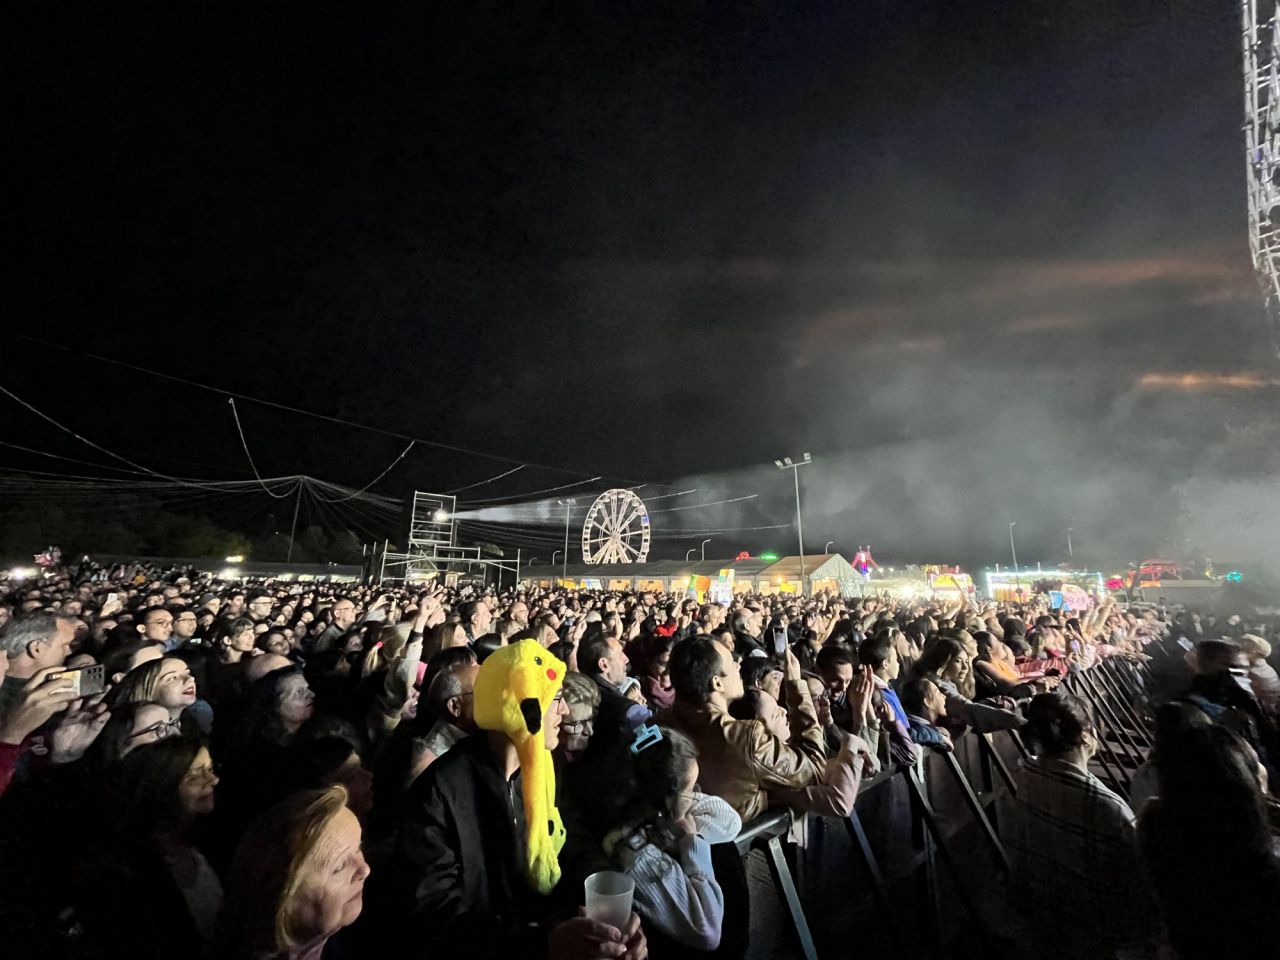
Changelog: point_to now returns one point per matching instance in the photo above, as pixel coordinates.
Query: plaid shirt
(1073, 844)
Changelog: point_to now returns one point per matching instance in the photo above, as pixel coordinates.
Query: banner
(722, 589)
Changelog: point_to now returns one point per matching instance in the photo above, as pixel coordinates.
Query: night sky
(940, 245)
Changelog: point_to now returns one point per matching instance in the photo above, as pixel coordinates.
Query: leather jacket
(740, 760)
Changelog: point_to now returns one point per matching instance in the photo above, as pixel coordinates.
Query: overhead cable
(101, 449)
(533, 493)
(244, 443)
(357, 493)
(482, 483)
(291, 409)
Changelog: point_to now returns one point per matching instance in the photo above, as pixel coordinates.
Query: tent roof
(656, 570)
(821, 565)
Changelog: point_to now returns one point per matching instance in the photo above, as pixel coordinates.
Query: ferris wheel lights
(616, 529)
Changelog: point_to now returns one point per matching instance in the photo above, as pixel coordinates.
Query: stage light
(440, 516)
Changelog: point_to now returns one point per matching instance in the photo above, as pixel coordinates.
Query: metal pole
(564, 570)
(293, 528)
(804, 590)
(704, 548)
(1012, 547)
(827, 548)
(689, 553)
(1070, 553)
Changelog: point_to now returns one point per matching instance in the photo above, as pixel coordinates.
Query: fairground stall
(1070, 590)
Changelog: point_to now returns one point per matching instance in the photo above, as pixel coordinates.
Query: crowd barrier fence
(945, 804)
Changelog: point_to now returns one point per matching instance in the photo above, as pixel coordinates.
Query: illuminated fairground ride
(616, 529)
(1261, 43)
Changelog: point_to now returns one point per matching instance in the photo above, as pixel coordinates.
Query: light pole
(1071, 555)
(689, 553)
(704, 548)
(1012, 547)
(827, 549)
(553, 556)
(786, 464)
(564, 563)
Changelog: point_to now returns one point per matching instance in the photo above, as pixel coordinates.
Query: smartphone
(87, 681)
(779, 641)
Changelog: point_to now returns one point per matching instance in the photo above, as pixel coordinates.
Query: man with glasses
(260, 607)
(450, 699)
(185, 625)
(156, 626)
(343, 615)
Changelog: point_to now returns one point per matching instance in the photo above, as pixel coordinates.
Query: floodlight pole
(704, 549)
(786, 464)
(689, 553)
(1012, 546)
(1071, 554)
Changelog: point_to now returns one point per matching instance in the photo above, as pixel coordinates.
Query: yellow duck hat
(513, 691)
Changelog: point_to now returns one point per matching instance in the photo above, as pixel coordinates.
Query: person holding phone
(32, 643)
(40, 700)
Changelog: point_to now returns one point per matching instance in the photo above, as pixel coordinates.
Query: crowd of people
(276, 769)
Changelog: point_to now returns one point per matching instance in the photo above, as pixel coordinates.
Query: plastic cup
(609, 895)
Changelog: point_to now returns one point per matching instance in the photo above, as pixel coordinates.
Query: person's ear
(454, 706)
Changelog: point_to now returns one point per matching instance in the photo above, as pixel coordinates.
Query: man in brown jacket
(741, 760)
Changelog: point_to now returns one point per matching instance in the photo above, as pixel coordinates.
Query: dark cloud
(938, 244)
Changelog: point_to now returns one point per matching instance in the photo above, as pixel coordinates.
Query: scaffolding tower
(432, 551)
(1261, 47)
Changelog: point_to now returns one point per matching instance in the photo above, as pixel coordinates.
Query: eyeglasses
(162, 729)
(579, 726)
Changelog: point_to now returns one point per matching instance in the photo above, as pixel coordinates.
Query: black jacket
(612, 726)
(459, 864)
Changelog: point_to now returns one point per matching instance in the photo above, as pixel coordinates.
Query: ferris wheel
(1262, 148)
(616, 529)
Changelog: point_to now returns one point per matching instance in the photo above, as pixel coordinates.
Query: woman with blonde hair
(297, 879)
(166, 682)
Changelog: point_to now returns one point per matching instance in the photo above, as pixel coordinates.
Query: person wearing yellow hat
(479, 848)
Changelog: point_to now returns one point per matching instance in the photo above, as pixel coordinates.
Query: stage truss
(1261, 43)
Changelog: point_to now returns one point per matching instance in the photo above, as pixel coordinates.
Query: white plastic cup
(609, 896)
